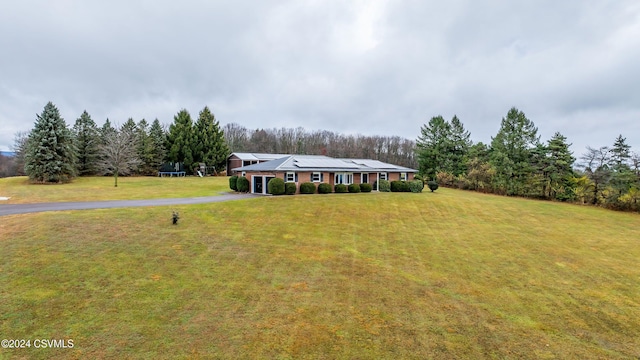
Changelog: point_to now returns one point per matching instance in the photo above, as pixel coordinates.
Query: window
(291, 177)
(364, 178)
(317, 177)
(344, 178)
(403, 176)
(383, 176)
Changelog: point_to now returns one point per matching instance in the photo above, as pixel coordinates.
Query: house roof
(324, 163)
(258, 156)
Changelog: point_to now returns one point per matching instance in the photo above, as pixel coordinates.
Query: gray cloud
(370, 67)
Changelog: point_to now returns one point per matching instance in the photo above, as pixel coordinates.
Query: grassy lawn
(449, 275)
(101, 188)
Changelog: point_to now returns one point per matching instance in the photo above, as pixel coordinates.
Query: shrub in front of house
(242, 184)
(308, 188)
(275, 186)
(399, 186)
(366, 187)
(433, 186)
(290, 188)
(233, 183)
(384, 186)
(341, 188)
(416, 186)
(354, 188)
(324, 188)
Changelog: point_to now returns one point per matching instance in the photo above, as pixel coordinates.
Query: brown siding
(233, 162)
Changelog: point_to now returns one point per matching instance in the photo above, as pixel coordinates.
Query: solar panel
(323, 163)
(374, 164)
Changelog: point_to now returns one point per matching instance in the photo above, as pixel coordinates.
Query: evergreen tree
(180, 140)
(620, 153)
(51, 154)
(511, 152)
(460, 144)
(158, 138)
(432, 146)
(87, 140)
(210, 145)
(622, 176)
(106, 130)
(559, 167)
(145, 148)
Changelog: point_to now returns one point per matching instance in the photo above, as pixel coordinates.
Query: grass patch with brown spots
(445, 275)
(97, 188)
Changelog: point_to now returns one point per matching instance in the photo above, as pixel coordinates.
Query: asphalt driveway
(12, 209)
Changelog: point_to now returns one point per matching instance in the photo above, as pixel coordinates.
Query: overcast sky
(368, 67)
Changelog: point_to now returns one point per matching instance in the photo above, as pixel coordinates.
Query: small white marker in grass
(2, 198)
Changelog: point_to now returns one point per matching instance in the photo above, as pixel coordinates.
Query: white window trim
(383, 176)
(403, 176)
(313, 175)
(347, 178)
(292, 174)
(362, 176)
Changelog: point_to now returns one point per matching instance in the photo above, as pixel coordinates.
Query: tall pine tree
(144, 148)
(158, 138)
(511, 152)
(433, 144)
(460, 144)
(180, 140)
(51, 154)
(559, 170)
(210, 146)
(87, 140)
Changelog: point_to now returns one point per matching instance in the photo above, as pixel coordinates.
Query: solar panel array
(374, 164)
(324, 163)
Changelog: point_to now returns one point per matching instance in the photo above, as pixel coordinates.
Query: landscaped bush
(384, 186)
(366, 187)
(290, 188)
(275, 186)
(433, 186)
(324, 188)
(396, 186)
(354, 188)
(416, 186)
(341, 188)
(399, 186)
(233, 183)
(242, 184)
(308, 188)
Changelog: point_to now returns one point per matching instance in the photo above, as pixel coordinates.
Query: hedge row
(277, 186)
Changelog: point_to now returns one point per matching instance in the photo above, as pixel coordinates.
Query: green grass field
(101, 188)
(448, 275)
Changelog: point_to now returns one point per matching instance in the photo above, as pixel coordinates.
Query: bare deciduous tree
(118, 155)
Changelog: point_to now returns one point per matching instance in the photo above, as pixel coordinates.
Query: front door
(257, 185)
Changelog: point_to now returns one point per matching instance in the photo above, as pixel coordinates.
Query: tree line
(140, 148)
(390, 149)
(518, 163)
(53, 152)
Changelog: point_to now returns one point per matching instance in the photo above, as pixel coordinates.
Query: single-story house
(321, 169)
(236, 160)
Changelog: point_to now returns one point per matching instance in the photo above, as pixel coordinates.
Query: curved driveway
(11, 209)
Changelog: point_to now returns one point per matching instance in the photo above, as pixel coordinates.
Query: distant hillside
(7, 153)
